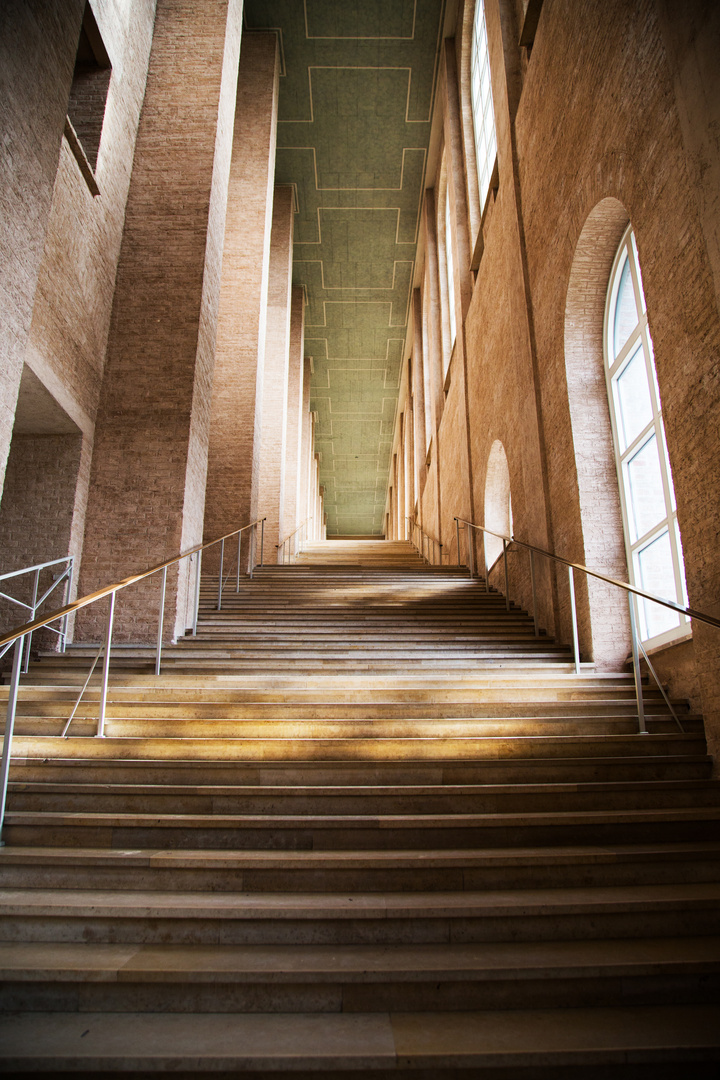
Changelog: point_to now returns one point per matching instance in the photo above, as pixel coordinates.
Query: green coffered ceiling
(356, 91)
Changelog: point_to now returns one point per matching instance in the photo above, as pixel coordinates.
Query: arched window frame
(481, 99)
(637, 353)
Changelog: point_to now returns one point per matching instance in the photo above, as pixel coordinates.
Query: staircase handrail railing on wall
(631, 590)
(298, 548)
(20, 633)
(418, 538)
(64, 575)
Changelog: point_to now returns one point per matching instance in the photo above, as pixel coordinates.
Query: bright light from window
(482, 103)
(646, 490)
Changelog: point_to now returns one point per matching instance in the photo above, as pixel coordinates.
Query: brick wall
(612, 118)
(33, 101)
(40, 483)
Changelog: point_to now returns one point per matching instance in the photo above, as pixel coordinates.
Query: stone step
(633, 1041)
(399, 831)
(338, 774)
(522, 915)
(269, 800)
(350, 979)
(427, 749)
(277, 724)
(429, 870)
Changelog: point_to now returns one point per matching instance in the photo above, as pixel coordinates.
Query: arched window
(652, 537)
(482, 103)
(450, 274)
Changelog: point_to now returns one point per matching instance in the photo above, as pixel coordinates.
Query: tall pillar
(149, 464)
(271, 481)
(235, 426)
(292, 510)
(38, 43)
(305, 447)
(418, 399)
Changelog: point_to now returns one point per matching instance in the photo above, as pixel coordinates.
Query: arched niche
(603, 609)
(498, 504)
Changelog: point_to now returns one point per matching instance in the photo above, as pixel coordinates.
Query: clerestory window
(652, 536)
(482, 104)
(88, 98)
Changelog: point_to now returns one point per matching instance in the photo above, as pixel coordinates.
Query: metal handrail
(631, 590)
(691, 613)
(20, 633)
(421, 546)
(281, 545)
(66, 575)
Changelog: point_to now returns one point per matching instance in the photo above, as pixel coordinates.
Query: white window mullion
(647, 498)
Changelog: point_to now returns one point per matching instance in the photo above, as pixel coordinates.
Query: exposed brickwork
(150, 457)
(623, 138)
(33, 101)
(40, 483)
(615, 103)
(234, 456)
(73, 302)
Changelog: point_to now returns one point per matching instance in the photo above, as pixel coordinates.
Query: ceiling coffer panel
(353, 131)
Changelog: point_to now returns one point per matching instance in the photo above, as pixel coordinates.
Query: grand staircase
(365, 823)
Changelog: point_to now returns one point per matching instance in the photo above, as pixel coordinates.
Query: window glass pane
(481, 101)
(626, 316)
(647, 499)
(633, 399)
(653, 539)
(657, 576)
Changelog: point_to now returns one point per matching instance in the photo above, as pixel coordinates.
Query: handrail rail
(90, 598)
(431, 540)
(19, 634)
(37, 566)
(691, 613)
(290, 535)
(632, 591)
(281, 546)
(65, 575)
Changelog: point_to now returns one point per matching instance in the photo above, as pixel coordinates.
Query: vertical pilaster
(271, 481)
(418, 397)
(150, 459)
(236, 423)
(292, 510)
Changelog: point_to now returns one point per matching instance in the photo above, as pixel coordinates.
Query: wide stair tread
(365, 822)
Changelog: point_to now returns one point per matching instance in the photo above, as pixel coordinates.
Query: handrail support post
(573, 613)
(507, 580)
(637, 673)
(220, 582)
(9, 727)
(106, 667)
(161, 618)
(68, 594)
(197, 592)
(534, 593)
